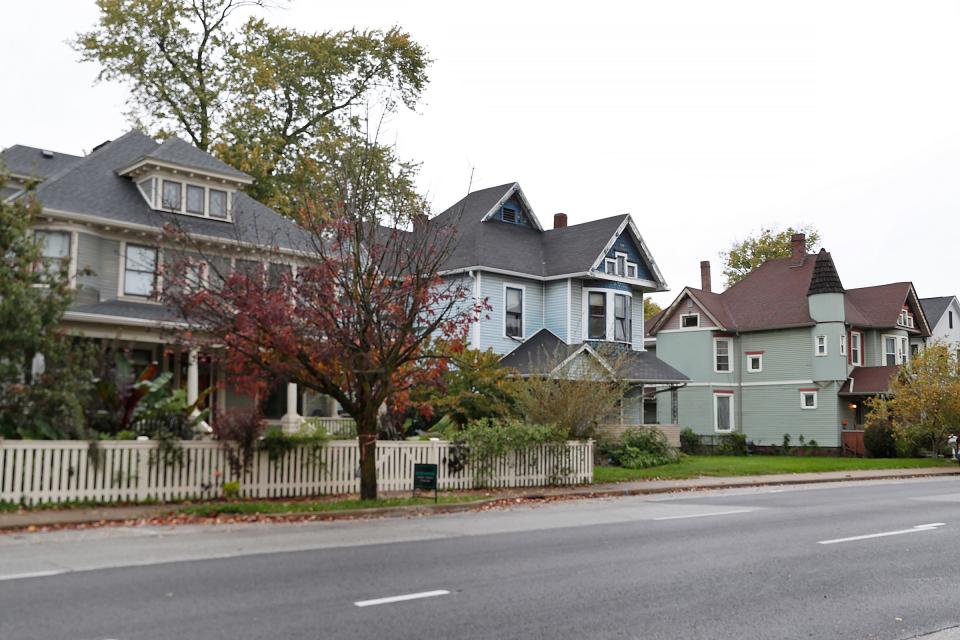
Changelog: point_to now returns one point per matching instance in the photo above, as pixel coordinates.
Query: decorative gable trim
(675, 307)
(515, 189)
(914, 301)
(585, 348)
(146, 164)
(628, 223)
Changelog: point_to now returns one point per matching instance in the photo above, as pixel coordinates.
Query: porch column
(291, 419)
(674, 407)
(193, 377)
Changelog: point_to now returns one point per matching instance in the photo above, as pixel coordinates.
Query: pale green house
(787, 350)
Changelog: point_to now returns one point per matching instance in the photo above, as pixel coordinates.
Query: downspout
(740, 366)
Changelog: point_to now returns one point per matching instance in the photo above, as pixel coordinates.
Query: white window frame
(523, 310)
(156, 271)
(730, 361)
(843, 344)
(628, 319)
(750, 357)
(631, 267)
(183, 190)
(816, 346)
(70, 258)
(856, 354)
(610, 320)
(733, 412)
(226, 204)
(904, 348)
(803, 395)
(610, 266)
(690, 315)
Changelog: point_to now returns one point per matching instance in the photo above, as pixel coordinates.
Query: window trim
(759, 356)
(816, 346)
(809, 392)
(609, 311)
(70, 258)
(628, 318)
(163, 203)
(733, 412)
(125, 247)
(523, 310)
(730, 364)
(186, 199)
(607, 268)
(695, 314)
(843, 344)
(226, 204)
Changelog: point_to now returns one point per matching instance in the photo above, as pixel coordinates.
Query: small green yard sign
(425, 477)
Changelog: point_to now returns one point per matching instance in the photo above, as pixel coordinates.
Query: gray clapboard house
(787, 350)
(557, 294)
(104, 214)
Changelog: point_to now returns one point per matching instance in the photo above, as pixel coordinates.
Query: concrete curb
(78, 517)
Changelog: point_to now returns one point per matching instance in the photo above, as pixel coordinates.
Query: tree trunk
(367, 441)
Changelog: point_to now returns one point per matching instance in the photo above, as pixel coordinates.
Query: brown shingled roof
(774, 296)
(869, 381)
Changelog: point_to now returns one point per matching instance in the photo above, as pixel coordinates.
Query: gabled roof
(31, 162)
(774, 296)
(483, 242)
(934, 308)
(175, 151)
(91, 189)
(879, 307)
(869, 381)
(544, 353)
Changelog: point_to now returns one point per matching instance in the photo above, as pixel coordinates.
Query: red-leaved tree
(361, 313)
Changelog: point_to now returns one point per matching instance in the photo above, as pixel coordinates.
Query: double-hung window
(820, 345)
(621, 318)
(54, 250)
(904, 350)
(140, 271)
(597, 315)
(843, 345)
(890, 350)
(722, 363)
(513, 312)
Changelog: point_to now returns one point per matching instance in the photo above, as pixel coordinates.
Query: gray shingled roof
(92, 187)
(130, 309)
(543, 352)
(553, 252)
(934, 308)
(31, 161)
(176, 151)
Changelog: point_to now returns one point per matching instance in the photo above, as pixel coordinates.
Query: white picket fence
(53, 471)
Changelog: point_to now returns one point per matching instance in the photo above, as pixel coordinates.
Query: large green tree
(45, 376)
(275, 102)
(746, 255)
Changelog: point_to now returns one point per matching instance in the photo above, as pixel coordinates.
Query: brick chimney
(705, 283)
(559, 220)
(798, 248)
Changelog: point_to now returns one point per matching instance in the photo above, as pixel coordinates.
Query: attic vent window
(509, 215)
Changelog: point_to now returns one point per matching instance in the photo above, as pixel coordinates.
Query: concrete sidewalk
(65, 517)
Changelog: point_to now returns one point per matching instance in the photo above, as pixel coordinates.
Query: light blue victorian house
(558, 292)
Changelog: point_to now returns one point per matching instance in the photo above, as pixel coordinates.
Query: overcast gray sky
(703, 119)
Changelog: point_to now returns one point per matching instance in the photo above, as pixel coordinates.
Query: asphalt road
(792, 562)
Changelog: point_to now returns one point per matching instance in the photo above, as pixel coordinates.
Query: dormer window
(218, 203)
(620, 265)
(195, 198)
(905, 319)
(172, 195)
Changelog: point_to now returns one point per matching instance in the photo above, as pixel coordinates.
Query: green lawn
(251, 507)
(695, 466)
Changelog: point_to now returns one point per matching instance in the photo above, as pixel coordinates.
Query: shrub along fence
(53, 471)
